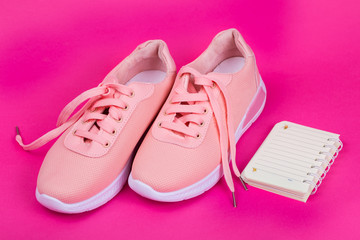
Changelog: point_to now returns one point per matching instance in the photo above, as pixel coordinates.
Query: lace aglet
(234, 200)
(243, 183)
(17, 130)
(18, 137)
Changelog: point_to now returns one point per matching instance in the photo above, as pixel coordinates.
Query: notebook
(293, 160)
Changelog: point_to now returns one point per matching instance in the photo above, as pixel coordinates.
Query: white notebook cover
(292, 160)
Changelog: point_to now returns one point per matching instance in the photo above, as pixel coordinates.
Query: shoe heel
(254, 110)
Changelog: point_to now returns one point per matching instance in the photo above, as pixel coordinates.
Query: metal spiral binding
(318, 179)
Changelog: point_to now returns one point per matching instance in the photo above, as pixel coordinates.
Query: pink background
(308, 55)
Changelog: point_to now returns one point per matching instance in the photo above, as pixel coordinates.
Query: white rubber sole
(210, 180)
(89, 204)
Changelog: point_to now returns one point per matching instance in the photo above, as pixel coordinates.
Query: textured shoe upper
(195, 129)
(97, 144)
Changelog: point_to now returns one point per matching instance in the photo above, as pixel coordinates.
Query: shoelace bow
(191, 113)
(99, 98)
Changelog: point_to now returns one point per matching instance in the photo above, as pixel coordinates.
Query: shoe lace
(102, 101)
(187, 111)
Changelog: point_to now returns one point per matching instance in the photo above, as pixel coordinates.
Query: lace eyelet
(198, 135)
(205, 110)
(132, 94)
(202, 124)
(106, 145)
(159, 124)
(213, 85)
(165, 113)
(119, 120)
(126, 107)
(107, 91)
(74, 133)
(113, 132)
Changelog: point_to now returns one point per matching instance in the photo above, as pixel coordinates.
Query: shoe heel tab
(148, 43)
(163, 52)
(238, 39)
(241, 44)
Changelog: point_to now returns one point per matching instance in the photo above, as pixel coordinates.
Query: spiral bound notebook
(293, 160)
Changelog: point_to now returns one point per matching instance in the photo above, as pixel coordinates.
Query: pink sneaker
(187, 148)
(89, 164)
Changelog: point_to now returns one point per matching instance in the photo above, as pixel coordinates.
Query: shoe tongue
(95, 129)
(188, 84)
(185, 82)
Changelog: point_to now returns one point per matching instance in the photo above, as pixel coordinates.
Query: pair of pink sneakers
(200, 114)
